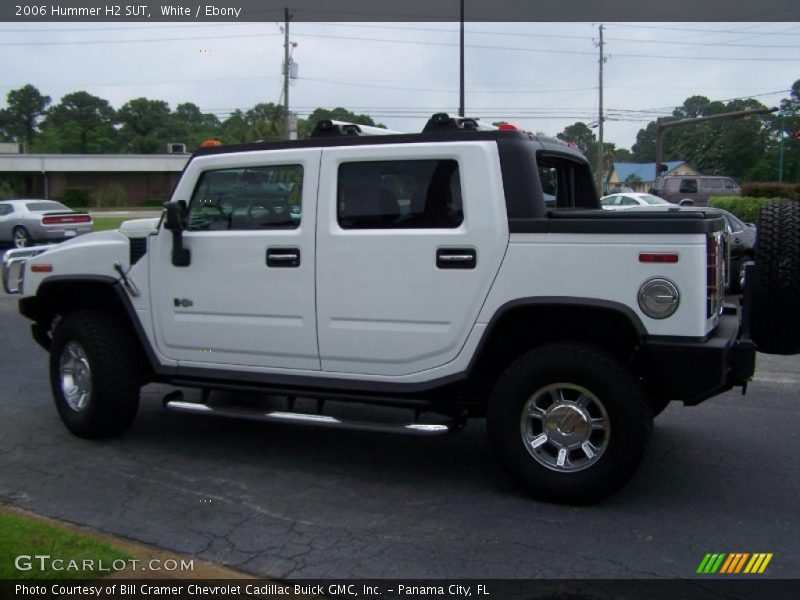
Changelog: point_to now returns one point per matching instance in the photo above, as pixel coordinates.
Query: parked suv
(694, 190)
(422, 272)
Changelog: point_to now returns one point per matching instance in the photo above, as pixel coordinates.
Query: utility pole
(286, 115)
(599, 174)
(461, 66)
(783, 134)
(660, 127)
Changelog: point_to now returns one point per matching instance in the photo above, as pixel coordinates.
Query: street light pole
(286, 115)
(461, 66)
(600, 119)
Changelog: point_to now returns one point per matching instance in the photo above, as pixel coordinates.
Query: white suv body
(417, 271)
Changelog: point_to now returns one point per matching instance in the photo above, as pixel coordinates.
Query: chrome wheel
(565, 427)
(75, 376)
(21, 238)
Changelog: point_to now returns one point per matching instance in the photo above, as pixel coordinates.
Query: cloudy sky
(541, 76)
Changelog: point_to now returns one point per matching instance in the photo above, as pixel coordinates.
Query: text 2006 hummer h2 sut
(422, 271)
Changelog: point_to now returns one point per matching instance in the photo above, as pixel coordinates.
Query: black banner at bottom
(395, 589)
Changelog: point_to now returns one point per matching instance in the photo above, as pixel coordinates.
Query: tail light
(66, 219)
(715, 273)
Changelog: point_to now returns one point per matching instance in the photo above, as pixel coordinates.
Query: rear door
(409, 240)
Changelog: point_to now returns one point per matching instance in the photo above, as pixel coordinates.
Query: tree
(146, 126)
(25, 107)
(721, 147)
(192, 126)
(265, 121)
(233, 130)
(80, 123)
(582, 136)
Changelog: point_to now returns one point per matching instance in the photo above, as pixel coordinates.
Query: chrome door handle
(283, 257)
(456, 258)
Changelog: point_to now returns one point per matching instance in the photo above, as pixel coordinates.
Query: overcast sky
(541, 76)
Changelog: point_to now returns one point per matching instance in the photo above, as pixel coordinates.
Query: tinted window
(247, 198)
(688, 186)
(420, 194)
(569, 180)
(6, 209)
(45, 206)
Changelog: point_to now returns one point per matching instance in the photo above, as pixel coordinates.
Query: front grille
(138, 249)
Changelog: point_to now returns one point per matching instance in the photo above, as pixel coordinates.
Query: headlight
(659, 298)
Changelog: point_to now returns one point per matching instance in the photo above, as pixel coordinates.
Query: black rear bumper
(695, 370)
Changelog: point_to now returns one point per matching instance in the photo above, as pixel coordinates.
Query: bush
(77, 197)
(744, 207)
(771, 189)
(156, 201)
(111, 196)
(7, 191)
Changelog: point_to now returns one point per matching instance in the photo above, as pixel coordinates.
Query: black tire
(776, 308)
(115, 371)
(21, 237)
(592, 369)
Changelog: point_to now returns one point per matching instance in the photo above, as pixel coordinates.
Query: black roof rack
(444, 122)
(331, 128)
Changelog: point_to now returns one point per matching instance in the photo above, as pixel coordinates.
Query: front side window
(247, 198)
(399, 194)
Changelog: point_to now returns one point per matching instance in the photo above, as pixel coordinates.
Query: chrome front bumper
(14, 260)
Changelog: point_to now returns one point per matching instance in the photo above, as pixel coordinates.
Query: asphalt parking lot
(283, 501)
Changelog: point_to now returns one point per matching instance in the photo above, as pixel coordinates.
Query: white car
(625, 200)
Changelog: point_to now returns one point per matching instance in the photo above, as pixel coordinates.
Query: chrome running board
(279, 416)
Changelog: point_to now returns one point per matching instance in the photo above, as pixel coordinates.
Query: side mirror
(176, 222)
(176, 215)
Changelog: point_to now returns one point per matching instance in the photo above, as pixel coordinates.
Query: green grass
(23, 536)
(106, 223)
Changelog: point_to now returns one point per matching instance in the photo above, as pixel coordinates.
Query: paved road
(283, 501)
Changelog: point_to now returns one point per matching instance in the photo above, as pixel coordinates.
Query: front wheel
(569, 423)
(95, 374)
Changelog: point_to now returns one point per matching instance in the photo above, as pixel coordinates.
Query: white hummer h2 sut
(418, 271)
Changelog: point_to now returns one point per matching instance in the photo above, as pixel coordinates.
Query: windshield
(650, 199)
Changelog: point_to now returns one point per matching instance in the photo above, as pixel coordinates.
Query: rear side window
(569, 180)
(399, 194)
(45, 206)
(6, 209)
(247, 198)
(688, 186)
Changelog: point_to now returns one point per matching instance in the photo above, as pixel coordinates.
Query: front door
(247, 296)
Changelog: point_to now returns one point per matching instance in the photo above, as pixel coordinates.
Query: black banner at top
(391, 10)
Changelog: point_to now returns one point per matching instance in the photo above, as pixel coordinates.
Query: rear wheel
(21, 237)
(95, 374)
(569, 423)
(776, 295)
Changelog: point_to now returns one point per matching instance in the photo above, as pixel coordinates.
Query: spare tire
(776, 285)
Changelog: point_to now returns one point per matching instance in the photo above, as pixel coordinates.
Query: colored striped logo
(737, 562)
